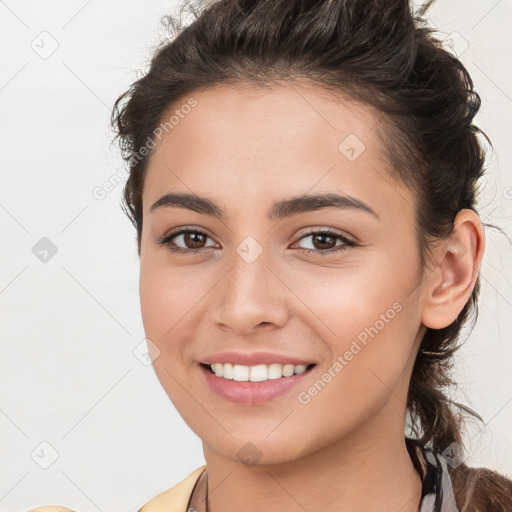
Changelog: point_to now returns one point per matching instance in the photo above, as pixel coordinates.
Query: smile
(257, 373)
(252, 385)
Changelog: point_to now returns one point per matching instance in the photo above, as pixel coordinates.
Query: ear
(452, 280)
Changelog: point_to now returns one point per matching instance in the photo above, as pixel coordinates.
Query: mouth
(235, 387)
(256, 373)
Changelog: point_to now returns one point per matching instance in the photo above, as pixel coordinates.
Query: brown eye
(190, 240)
(194, 239)
(325, 242)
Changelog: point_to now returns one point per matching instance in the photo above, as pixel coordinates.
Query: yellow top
(176, 498)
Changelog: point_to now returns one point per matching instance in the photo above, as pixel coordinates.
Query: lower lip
(247, 392)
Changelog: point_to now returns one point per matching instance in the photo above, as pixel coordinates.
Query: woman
(302, 182)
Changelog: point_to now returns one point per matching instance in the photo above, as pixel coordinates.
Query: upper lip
(253, 358)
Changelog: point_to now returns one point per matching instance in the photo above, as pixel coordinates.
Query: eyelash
(347, 243)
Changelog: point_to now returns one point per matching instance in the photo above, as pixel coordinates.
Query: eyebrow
(279, 210)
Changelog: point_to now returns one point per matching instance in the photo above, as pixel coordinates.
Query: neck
(370, 469)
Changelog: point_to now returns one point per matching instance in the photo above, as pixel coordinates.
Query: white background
(68, 374)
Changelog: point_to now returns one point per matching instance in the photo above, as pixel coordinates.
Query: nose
(251, 296)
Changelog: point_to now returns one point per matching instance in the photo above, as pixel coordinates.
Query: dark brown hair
(380, 53)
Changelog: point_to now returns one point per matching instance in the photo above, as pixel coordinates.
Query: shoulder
(481, 489)
(176, 498)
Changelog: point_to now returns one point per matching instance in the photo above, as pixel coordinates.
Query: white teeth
(287, 370)
(257, 373)
(217, 368)
(300, 368)
(240, 372)
(274, 371)
(226, 372)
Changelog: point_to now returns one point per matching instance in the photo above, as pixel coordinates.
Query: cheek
(343, 301)
(166, 296)
(368, 317)
(167, 299)
(172, 305)
(368, 355)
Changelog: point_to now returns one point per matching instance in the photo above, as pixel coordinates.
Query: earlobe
(452, 282)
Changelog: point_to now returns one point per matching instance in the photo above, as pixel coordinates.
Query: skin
(245, 148)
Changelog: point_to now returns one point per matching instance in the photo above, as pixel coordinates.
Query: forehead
(280, 139)
(246, 116)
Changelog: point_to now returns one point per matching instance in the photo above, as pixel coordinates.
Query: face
(248, 276)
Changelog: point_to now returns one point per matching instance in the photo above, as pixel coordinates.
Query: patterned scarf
(437, 492)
